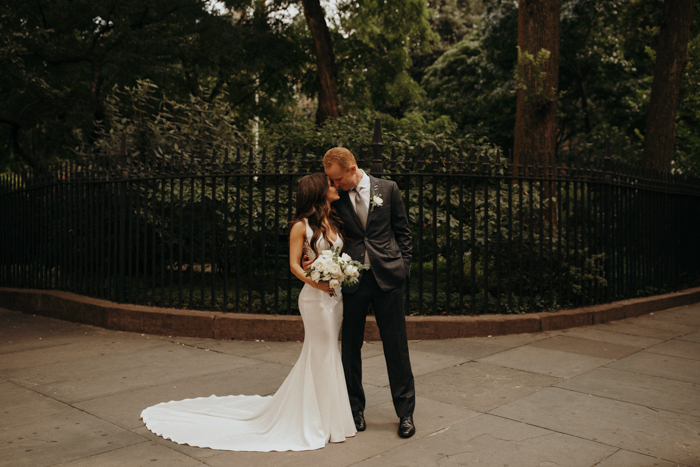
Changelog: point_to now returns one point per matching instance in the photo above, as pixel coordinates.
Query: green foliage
(451, 20)
(160, 127)
(372, 48)
(463, 86)
(355, 129)
(530, 77)
(65, 56)
(440, 66)
(687, 145)
(543, 272)
(155, 125)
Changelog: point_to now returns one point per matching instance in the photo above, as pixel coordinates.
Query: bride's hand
(324, 286)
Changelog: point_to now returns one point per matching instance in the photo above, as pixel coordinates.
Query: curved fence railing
(211, 233)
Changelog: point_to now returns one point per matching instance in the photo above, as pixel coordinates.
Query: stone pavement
(625, 393)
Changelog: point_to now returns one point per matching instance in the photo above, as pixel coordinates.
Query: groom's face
(343, 179)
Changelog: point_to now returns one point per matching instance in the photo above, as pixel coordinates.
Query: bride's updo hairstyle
(312, 204)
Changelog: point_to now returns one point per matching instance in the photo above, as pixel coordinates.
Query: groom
(378, 234)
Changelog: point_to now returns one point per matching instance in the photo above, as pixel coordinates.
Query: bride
(311, 407)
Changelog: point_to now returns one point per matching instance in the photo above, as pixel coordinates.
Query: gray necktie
(360, 207)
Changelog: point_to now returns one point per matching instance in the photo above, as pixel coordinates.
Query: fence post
(607, 222)
(122, 215)
(377, 146)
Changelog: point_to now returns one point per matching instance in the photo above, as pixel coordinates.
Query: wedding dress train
(310, 409)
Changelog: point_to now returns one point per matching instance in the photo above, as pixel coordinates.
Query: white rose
(334, 269)
(334, 283)
(315, 276)
(345, 257)
(377, 200)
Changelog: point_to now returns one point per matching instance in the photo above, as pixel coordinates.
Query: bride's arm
(296, 247)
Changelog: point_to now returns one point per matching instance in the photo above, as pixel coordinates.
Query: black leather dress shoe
(359, 418)
(406, 427)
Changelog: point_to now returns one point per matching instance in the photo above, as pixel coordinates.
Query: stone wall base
(242, 326)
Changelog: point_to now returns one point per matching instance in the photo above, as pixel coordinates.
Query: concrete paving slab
(376, 395)
(21, 405)
(34, 367)
(91, 377)
(380, 437)
(688, 315)
(694, 337)
(493, 441)
(644, 430)
(480, 386)
(285, 356)
(374, 368)
(650, 391)
(61, 437)
(595, 333)
(200, 454)
(21, 345)
(646, 398)
(462, 348)
(678, 348)
(590, 347)
(275, 352)
(664, 366)
(21, 342)
(545, 361)
(17, 320)
(516, 340)
(124, 408)
(664, 322)
(16, 324)
(623, 458)
(145, 454)
(65, 351)
(196, 341)
(626, 327)
(373, 349)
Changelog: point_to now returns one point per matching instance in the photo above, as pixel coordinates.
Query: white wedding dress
(310, 409)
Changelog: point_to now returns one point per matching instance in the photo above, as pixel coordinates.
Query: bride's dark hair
(312, 204)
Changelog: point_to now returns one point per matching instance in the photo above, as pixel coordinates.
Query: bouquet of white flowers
(336, 268)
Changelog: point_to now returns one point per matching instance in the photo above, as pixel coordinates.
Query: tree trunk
(97, 79)
(671, 57)
(536, 111)
(328, 106)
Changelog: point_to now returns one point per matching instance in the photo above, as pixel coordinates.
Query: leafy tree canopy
(66, 67)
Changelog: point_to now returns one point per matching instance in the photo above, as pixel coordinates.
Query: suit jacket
(386, 238)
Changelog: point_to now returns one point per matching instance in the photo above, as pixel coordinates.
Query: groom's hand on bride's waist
(305, 262)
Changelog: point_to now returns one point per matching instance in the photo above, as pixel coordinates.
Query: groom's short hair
(341, 156)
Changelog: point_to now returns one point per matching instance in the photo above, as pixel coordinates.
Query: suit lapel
(373, 189)
(348, 205)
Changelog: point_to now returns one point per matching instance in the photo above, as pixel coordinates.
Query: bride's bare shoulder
(298, 228)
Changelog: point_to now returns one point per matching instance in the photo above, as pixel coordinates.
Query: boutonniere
(376, 201)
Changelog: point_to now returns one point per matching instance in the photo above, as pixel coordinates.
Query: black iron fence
(211, 232)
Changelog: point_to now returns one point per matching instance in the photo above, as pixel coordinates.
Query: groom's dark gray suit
(386, 239)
